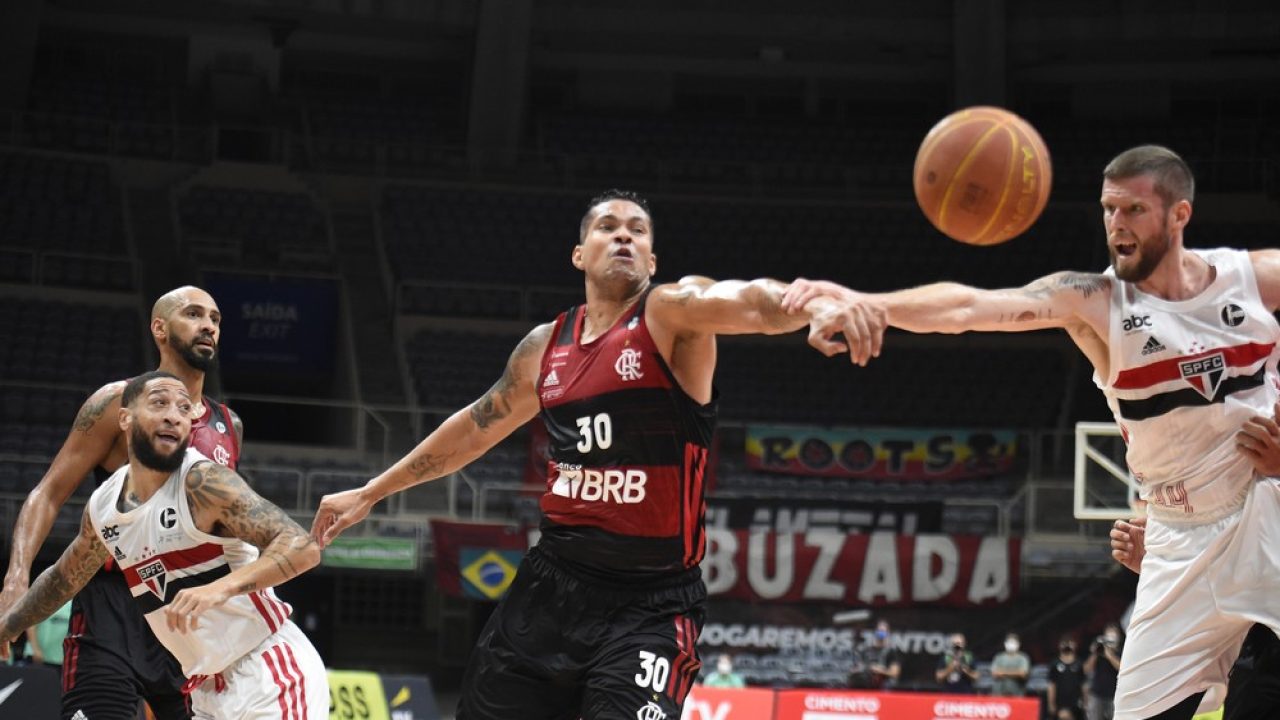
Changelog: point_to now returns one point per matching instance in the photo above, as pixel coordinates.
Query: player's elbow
(306, 553)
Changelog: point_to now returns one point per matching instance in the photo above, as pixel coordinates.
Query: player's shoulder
(533, 344)
(98, 405)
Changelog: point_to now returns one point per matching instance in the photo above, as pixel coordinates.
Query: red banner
(844, 705)
(708, 703)
(821, 566)
(861, 570)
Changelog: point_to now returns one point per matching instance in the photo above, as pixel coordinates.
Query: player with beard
(200, 552)
(603, 616)
(1183, 344)
(112, 659)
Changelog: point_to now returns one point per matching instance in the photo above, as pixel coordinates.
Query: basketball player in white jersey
(1184, 346)
(200, 551)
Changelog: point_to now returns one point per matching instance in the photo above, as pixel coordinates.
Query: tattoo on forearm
(1027, 315)
(59, 583)
(431, 465)
(94, 407)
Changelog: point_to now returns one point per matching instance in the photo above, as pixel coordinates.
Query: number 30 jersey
(1185, 376)
(624, 497)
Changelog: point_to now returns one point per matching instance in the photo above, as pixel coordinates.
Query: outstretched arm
(223, 504)
(87, 445)
(1266, 269)
(55, 586)
(700, 306)
(465, 436)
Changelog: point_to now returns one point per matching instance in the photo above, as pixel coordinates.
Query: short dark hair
(134, 387)
(607, 196)
(1173, 177)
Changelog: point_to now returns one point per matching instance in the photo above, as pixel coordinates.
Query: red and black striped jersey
(624, 496)
(214, 436)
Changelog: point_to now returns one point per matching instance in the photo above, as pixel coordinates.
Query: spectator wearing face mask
(1009, 669)
(724, 676)
(955, 668)
(1066, 683)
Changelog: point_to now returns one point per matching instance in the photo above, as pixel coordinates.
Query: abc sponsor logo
(1136, 322)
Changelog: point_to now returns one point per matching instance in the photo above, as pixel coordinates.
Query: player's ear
(159, 329)
(125, 420)
(653, 264)
(577, 257)
(1181, 213)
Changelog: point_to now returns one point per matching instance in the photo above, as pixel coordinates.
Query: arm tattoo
(431, 465)
(1027, 315)
(1084, 283)
(95, 406)
(496, 403)
(59, 583)
(679, 295)
(241, 513)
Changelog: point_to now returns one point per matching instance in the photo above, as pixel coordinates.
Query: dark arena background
(382, 196)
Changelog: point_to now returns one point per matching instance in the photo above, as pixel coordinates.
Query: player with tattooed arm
(1184, 347)
(200, 552)
(602, 618)
(112, 661)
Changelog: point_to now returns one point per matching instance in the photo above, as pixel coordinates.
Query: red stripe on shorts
(275, 675)
(302, 681)
(293, 679)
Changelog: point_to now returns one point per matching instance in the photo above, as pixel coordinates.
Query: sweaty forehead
(1138, 187)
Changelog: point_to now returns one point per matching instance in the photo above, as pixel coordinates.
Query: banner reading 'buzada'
(859, 569)
(881, 453)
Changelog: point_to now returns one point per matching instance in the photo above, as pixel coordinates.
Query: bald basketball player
(112, 659)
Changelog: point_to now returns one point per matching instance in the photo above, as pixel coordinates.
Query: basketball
(982, 175)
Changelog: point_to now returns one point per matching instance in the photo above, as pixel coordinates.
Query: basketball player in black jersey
(603, 616)
(112, 659)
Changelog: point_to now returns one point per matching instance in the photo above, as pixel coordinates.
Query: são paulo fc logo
(1204, 374)
(628, 365)
(153, 576)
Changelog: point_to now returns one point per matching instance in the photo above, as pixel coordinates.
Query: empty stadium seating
(257, 227)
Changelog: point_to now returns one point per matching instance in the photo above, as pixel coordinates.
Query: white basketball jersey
(1184, 377)
(161, 552)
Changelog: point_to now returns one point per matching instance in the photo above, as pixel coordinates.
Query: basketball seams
(960, 169)
(1009, 182)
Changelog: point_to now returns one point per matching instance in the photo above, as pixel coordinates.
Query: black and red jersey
(624, 497)
(214, 435)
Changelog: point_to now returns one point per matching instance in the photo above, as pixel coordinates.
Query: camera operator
(955, 668)
(1101, 669)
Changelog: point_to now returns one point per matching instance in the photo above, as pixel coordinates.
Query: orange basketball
(982, 175)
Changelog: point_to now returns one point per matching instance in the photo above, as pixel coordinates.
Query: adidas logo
(1152, 346)
(79, 716)
(552, 380)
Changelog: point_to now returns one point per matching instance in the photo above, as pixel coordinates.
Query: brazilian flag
(486, 572)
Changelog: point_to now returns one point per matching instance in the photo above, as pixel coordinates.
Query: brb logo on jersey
(623, 487)
(1204, 374)
(628, 365)
(153, 576)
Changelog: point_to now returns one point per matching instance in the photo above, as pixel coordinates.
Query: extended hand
(1259, 440)
(1128, 542)
(182, 615)
(836, 310)
(336, 513)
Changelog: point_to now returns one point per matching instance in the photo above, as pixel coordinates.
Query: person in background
(1009, 669)
(44, 640)
(1066, 683)
(955, 668)
(884, 663)
(724, 676)
(1102, 668)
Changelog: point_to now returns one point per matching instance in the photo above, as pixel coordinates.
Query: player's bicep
(704, 306)
(222, 503)
(93, 433)
(513, 399)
